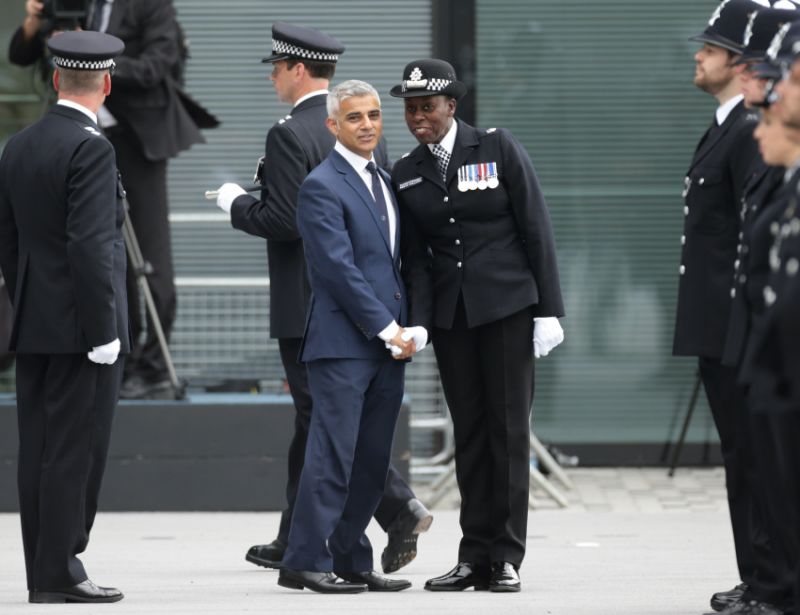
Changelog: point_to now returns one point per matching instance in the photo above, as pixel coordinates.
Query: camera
(64, 14)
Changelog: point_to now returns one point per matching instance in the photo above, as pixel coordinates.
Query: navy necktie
(377, 194)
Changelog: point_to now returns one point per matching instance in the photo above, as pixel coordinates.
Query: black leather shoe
(322, 582)
(504, 578)
(267, 556)
(403, 531)
(376, 582)
(464, 575)
(82, 592)
(752, 607)
(137, 387)
(722, 600)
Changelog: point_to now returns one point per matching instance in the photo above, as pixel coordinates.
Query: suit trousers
(356, 403)
(487, 375)
(757, 565)
(65, 406)
(396, 492)
(145, 183)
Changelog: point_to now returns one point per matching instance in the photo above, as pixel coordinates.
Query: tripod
(141, 269)
(682, 438)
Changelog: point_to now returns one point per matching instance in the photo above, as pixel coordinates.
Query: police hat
(783, 49)
(291, 41)
(429, 77)
(762, 27)
(85, 50)
(727, 24)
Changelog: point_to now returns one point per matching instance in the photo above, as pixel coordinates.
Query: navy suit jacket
(356, 287)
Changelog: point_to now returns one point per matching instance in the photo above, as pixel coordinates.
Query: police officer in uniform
(479, 259)
(62, 253)
(722, 164)
(303, 63)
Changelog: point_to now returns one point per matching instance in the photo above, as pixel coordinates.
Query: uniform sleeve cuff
(389, 332)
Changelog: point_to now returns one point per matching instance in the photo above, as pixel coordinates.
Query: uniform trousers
(145, 183)
(356, 403)
(65, 406)
(755, 557)
(776, 432)
(487, 376)
(396, 492)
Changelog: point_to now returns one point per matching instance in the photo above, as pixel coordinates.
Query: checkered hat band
(293, 50)
(438, 84)
(83, 64)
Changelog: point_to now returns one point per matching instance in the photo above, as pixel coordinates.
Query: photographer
(148, 119)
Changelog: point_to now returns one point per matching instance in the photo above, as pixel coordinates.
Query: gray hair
(347, 89)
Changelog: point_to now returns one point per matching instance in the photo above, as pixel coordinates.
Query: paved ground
(631, 542)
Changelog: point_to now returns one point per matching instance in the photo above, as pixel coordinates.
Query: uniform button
(733, 293)
(736, 264)
(739, 248)
(458, 242)
(742, 279)
(741, 236)
(397, 296)
(452, 220)
(792, 267)
(683, 240)
(701, 181)
(682, 269)
(769, 296)
(446, 199)
(745, 249)
(685, 210)
(458, 264)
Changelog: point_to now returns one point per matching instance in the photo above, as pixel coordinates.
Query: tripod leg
(685, 428)
(139, 267)
(547, 460)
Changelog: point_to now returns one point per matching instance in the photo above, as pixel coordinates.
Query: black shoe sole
(63, 598)
(504, 589)
(439, 588)
(264, 563)
(289, 584)
(401, 559)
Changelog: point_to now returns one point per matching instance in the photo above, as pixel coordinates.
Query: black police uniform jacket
(722, 164)
(147, 97)
(494, 247)
(295, 145)
(61, 246)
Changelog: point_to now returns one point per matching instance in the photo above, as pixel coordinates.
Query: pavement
(632, 541)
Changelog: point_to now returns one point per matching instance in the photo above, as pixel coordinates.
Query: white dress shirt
(77, 107)
(724, 110)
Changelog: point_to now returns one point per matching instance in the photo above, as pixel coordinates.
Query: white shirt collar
(73, 105)
(359, 163)
(309, 95)
(724, 110)
(448, 142)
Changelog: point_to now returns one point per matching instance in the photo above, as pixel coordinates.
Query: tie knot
(371, 167)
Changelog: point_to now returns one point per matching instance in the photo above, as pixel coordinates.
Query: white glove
(420, 335)
(106, 354)
(227, 193)
(547, 334)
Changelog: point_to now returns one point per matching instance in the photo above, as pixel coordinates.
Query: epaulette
(406, 155)
(490, 130)
(283, 119)
(92, 130)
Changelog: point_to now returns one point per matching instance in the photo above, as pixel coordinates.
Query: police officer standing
(480, 264)
(303, 63)
(62, 253)
(722, 164)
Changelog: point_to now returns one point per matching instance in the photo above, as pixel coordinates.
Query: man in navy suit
(347, 217)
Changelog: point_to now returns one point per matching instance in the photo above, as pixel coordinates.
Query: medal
(482, 185)
(473, 177)
(493, 180)
(462, 180)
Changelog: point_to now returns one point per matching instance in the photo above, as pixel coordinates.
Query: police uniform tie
(377, 194)
(442, 159)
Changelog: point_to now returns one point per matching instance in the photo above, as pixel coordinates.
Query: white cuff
(389, 332)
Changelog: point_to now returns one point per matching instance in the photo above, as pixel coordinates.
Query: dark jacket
(61, 247)
(295, 145)
(721, 166)
(146, 97)
(494, 247)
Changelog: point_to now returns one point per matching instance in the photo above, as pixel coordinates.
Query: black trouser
(65, 406)
(776, 433)
(487, 376)
(755, 556)
(145, 183)
(396, 493)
